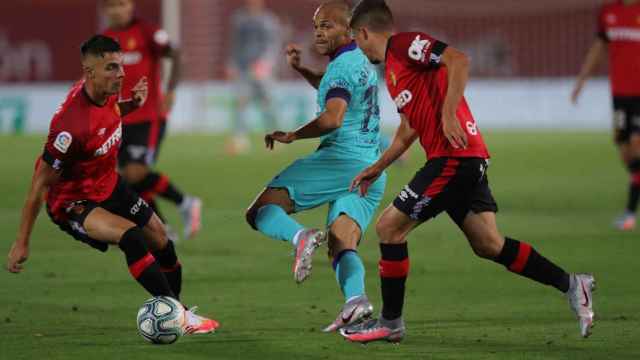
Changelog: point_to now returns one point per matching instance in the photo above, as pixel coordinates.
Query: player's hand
(17, 256)
(293, 52)
(453, 132)
(575, 94)
(278, 136)
(140, 91)
(364, 180)
(168, 101)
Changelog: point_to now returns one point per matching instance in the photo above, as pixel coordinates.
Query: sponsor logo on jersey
(403, 98)
(623, 34)
(62, 142)
(131, 57)
(418, 49)
(114, 139)
(102, 131)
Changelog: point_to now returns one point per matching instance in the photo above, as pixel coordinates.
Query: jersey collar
(343, 49)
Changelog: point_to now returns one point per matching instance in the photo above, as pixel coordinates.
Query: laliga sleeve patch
(161, 37)
(62, 142)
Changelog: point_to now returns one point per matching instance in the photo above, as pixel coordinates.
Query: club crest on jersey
(403, 98)
(63, 141)
(131, 43)
(418, 49)
(114, 139)
(394, 79)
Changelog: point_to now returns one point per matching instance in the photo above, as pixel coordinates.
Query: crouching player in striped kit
(85, 196)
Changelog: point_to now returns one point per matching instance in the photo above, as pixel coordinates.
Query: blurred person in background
(619, 35)
(255, 43)
(144, 45)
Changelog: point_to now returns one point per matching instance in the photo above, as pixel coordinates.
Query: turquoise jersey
(351, 76)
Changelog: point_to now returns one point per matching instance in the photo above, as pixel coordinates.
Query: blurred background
(525, 56)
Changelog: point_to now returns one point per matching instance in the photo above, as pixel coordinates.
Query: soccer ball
(161, 320)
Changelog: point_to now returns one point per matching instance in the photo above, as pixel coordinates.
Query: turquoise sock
(274, 222)
(349, 273)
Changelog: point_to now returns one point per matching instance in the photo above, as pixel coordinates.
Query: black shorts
(626, 117)
(140, 143)
(123, 202)
(454, 185)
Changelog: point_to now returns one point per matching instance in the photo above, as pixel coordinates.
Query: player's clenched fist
(293, 52)
(140, 91)
(17, 256)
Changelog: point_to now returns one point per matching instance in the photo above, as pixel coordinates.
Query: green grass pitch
(558, 191)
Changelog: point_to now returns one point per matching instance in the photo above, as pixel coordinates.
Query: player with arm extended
(144, 45)
(619, 35)
(348, 127)
(85, 196)
(427, 79)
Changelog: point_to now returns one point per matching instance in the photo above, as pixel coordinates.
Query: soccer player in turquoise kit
(348, 127)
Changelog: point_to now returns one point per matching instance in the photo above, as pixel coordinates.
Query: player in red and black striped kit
(85, 196)
(619, 34)
(144, 45)
(427, 79)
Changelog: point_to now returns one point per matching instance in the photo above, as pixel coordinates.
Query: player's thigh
(344, 234)
(269, 196)
(104, 226)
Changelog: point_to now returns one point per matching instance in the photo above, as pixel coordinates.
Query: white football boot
(581, 300)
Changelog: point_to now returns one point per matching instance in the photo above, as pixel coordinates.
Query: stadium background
(524, 53)
(554, 172)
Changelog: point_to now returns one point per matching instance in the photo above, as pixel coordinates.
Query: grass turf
(558, 191)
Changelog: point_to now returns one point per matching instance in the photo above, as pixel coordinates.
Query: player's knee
(387, 232)
(156, 234)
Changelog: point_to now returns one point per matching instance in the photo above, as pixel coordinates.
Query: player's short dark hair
(98, 45)
(374, 14)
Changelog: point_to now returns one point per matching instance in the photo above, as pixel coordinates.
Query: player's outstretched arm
(591, 61)
(329, 120)
(43, 177)
(294, 59)
(402, 140)
(458, 65)
(140, 92)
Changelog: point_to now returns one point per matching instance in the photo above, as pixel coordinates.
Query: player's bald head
(336, 10)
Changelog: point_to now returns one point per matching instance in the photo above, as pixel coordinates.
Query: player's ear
(88, 71)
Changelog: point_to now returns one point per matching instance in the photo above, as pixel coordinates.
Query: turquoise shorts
(324, 178)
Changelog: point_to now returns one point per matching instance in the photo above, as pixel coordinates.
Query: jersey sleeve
(62, 146)
(602, 28)
(340, 84)
(419, 49)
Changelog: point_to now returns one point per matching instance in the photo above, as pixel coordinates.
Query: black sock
(170, 267)
(521, 258)
(142, 265)
(394, 269)
(634, 186)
